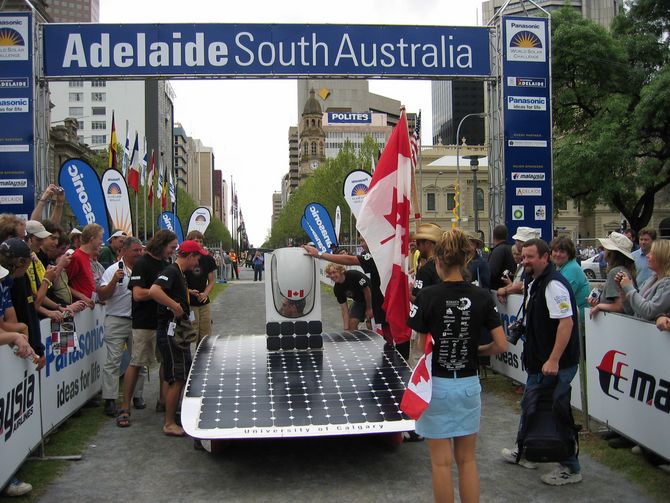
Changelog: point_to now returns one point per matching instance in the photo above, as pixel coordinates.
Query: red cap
(191, 246)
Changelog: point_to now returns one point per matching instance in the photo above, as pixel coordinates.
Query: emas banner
(20, 429)
(355, 188)
(71, 378)
(84, 193)
(115, 190)
(199, 221)
(168, 220)
(318, 225)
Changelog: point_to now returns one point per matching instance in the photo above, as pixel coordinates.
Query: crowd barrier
(33, 403)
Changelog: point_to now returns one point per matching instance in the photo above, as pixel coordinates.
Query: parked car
(591, 268)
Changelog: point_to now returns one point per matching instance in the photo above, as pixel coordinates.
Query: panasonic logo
(78, 183)
(530, 103)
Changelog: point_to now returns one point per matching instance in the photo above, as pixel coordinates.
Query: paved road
(141, 464)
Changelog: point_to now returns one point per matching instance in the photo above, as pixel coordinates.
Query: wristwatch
(319, 254)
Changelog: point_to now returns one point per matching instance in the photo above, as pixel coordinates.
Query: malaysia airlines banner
(168, 220)
(355, 187)
(20, 428)
(118, 205)
(84, 193)
(199, 221)
(629, 380)
(318, 225)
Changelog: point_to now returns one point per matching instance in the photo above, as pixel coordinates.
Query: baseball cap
(117, 233)
(35, 228)
(3, 272)
(191, 246)
(15, 247)
(75, 231)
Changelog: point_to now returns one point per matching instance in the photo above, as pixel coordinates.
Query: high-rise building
(217, 194)
(600, 11)
(180, 155)
(200, 173)
(276, 206)
(74, 11)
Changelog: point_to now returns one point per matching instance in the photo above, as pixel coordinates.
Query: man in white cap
(110, 252)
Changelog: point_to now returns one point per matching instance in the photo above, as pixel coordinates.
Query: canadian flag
(295, 293)
(383, 221)
(419, 389)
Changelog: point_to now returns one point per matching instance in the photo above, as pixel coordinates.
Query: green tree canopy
(324, 187)
(611, 106)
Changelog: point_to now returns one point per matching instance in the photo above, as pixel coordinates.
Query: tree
(611, 106)
(324, 187)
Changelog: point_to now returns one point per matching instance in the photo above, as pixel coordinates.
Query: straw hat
(474, 237)
(524, 234)
(618, 242)
(430, 232)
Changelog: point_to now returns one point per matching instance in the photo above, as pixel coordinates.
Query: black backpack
(547, 431)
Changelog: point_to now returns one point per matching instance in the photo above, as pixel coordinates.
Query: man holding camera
(552, 340)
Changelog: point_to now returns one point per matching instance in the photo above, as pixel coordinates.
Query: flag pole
(415, 200)
(144, 186)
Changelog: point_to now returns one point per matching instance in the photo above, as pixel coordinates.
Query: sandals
(123, 418)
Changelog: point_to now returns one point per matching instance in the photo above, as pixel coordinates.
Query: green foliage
(611, 113)
(324, 187)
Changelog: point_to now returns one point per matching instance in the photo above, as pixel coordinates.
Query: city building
(74, 11)
(600, 11)
(276, 206)
(180, 156)
(217, 194)
(451, 101)
(200, 173)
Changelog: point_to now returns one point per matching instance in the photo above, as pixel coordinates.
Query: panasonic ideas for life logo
(528, 103)
(14, 105)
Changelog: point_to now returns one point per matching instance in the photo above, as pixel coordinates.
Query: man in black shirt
(144, 309)
(426, 238)
(201, 281)
(354, 285)
(501, 258)
(170, 291)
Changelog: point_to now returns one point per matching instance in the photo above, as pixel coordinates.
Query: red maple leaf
(420, 371)
(399, 216)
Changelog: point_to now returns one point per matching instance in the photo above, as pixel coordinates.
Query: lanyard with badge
(191, 316)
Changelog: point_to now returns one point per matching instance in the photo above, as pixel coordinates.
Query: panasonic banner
(199, 221)
(629, 380)
(84, 193)
(527, 117)
(71, 378)
(115, 189)
(318, 225)
(20, 428)
(133, 50)
(17, 98)
(355, 187)
(168, 220)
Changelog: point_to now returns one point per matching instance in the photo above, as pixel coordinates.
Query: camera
(595, 294)
(515, 331)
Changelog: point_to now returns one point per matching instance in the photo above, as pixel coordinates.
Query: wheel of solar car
(392, 441)
(215, 446)
(590, 274)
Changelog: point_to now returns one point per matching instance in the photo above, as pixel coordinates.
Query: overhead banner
(115, 189)
(20, 428)
(629, 381)
(355, 187)
(168, 220)
(510, 363)
(17, 102)
(71, 378)
(318, 225)
(526, 61)
(84, 193)
(165, 50)
(199, 221)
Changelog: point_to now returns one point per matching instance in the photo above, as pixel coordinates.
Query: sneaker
(411, 436)
(509, 455)
(139, 403)
(110, 408)
(17, 487)
(560, 477)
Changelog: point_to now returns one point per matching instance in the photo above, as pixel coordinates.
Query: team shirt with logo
(353, 287)
(454, 313)
(369, 267)
(426, 276)
(197, 278)
(558, 300)
(145, 272)
(173, 282)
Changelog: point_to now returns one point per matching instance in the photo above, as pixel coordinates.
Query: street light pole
(480, 115)
(474, 165)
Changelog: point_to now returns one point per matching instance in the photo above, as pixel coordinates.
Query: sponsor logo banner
(528, 191)
(540, 212)
(349, 118)
(168, 220)
(14, 38)
(355, 187)
(526, 82)
(15, 199)
(200, 219)
(518, 212)
(527, 143)
(526, 40)
(318, 225)
(19, 183)
(14, 105)
(534, 176)
(14, 148)
(84, 193)
(118, 204)
(14, 83)
(530, 103)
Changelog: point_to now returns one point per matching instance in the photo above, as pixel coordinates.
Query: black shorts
(357, 310)
(176, 361)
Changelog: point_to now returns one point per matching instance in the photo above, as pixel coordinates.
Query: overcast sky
(236, 117)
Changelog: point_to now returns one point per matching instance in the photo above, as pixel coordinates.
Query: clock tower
(312, 138)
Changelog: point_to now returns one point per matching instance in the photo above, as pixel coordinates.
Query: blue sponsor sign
(17, 155)
(84, 193)
(168, 220)
(527, 124)
(349, 117)
(318, 225)
(99, 50)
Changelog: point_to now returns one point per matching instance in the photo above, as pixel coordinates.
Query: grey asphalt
(141, 464)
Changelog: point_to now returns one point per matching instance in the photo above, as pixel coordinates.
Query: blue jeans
(565, 376)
